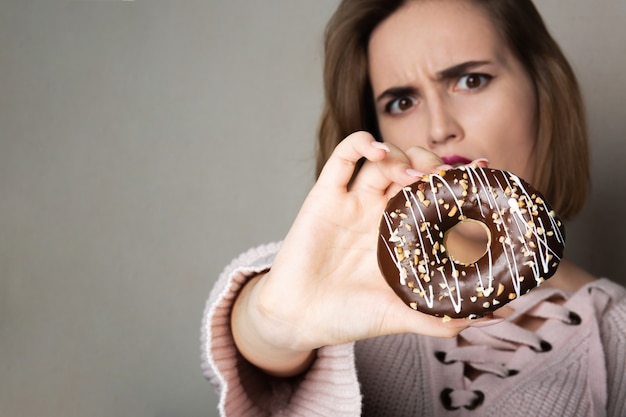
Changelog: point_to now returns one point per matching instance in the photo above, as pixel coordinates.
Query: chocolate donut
(526, 240)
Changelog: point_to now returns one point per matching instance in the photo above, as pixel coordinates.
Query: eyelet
(574, 319)
(544, 347)
(446, 400)
(441, 357)
(476, 402)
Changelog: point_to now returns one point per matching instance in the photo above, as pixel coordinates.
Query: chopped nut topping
(500, 289)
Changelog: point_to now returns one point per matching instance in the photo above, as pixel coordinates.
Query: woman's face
(444, 79)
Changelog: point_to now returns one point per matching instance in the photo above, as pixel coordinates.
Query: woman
(309, 327)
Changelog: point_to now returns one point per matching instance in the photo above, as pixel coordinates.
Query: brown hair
(561, 149)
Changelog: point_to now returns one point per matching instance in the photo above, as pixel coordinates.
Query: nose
(443, 126)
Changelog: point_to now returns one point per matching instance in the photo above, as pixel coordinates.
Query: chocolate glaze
(526, 244)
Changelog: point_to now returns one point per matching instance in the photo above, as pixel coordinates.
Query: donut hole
(467, 241)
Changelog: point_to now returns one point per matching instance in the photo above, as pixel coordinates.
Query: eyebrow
(448, 73)
(395, 92)
(458, 70)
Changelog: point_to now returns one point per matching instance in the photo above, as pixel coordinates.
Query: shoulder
(613, 290)
(612, 310)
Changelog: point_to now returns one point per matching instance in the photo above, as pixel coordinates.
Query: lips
(455, 160)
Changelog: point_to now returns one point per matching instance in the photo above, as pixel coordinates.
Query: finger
(400, 318)
(339, 168)
(394, 170)
(404, 168)
(423, 160)
(481, 162)
(403, 319)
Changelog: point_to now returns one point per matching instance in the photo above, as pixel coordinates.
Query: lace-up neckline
(411, 374)
(490, 350)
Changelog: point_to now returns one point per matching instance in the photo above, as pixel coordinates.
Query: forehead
(434, 35)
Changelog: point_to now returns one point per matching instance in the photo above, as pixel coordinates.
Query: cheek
(510, 119)
(505, 128)
(511, 134)
(522, 128)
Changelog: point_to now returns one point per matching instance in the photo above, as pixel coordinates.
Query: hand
(325, 287)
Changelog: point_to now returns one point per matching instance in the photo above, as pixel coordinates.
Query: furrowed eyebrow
(458, 70)
(396, 92)
(448, 73)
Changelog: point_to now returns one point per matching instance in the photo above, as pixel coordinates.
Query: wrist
(262, 339)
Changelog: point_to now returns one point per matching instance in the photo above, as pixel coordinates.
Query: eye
(400, 105)
(473, 81)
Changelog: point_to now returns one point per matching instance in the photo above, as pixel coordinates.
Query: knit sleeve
(328, 388)
(614, 342)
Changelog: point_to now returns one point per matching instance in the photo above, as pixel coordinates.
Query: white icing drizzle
(526, 233)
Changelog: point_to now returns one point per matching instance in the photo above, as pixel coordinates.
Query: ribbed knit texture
(330, 387)
(389, 393)
(614, 339)
(408, 375)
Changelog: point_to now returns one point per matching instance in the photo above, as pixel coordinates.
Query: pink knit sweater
(574, 365)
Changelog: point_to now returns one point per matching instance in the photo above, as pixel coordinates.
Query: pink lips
(455, 160)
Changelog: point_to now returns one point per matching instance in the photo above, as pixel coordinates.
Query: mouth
(455, 160)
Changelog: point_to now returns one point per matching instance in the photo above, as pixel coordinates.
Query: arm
(329, 386)
(325, 287)
(272, 356)
(294, 324)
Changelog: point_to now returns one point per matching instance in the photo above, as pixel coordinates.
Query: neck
(569, 277)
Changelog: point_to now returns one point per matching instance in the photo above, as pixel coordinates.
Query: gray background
(144, 144)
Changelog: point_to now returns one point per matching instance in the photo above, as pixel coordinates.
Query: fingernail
(445, 167)
(380, 145)
(414, 173)
(486, 323)
(481, 162)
